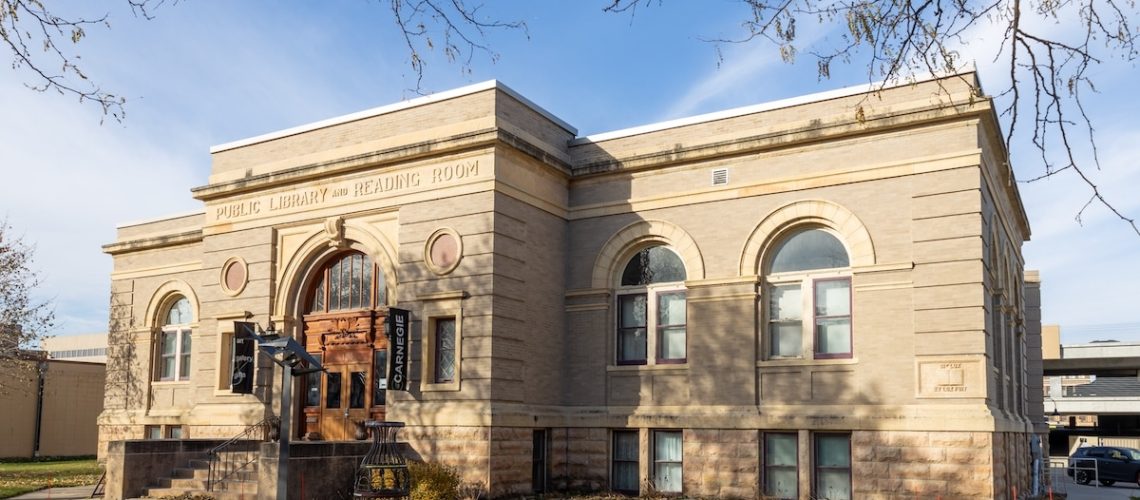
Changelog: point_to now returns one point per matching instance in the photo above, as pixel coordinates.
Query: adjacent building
(90, 347)
(823, 296)
(50, 407)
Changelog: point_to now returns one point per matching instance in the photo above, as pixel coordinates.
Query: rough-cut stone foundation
(897, 464)
(721, 463)
(579, 459)
(465, 448)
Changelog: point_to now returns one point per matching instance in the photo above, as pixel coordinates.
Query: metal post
(283, 438)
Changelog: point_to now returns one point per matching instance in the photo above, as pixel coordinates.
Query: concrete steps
(192, 480)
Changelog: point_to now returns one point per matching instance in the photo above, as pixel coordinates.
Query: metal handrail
(223, 469)
(1080, 464)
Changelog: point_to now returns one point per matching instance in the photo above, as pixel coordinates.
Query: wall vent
(720, 177)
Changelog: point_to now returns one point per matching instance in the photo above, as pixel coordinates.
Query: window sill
(806, 362)
(647, 368)
(226, 393)
(170, 382)
(442, 387)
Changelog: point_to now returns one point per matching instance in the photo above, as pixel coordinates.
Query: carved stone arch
(851, 231)
(163, 298)
(322, 244)
(638, 235)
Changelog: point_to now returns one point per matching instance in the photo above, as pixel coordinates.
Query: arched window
(651, 308)
(349, 282)
(809, 289)
(174, 345)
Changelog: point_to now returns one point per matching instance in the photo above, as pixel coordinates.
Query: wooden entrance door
(353, 349)
(345, 400)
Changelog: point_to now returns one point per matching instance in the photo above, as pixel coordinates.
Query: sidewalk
(69, 493)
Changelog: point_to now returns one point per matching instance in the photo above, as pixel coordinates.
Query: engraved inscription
(359, 188)
(947, 378)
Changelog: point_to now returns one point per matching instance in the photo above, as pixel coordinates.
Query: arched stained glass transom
(349, 282)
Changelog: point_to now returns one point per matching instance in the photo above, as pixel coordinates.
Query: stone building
(822, 296)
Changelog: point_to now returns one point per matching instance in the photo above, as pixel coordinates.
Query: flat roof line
(159, 219)
(766, 106)
(391, 108)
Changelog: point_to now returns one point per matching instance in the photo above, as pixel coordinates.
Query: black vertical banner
(398, 324)
(243, 354)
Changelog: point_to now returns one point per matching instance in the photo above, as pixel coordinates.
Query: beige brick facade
(931, 398)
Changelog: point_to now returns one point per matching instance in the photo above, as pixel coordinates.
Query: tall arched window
(174, 345)
(651, 308)
(349, 282)
(809, 290)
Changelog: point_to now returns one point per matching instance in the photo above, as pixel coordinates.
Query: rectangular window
(444, 350)
(671, 327)
(169, 359)
(174, 432)
(356, 389)
(667, 461)
(313, 387)
(624, 475)
(184, 355)
(380, 375)
(781, 469)
(153, 432)
(539, 461)
(332, 390)
(173, 357)
(633, 317)
(832, 474)
(833, 318)
(785, 323)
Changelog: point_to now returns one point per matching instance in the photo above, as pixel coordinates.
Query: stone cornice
(407, 152)
(153, 242)
(810, 132)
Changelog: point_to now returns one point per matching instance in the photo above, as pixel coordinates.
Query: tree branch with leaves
(23, 320)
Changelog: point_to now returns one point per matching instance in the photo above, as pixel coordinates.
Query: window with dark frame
(809, 290)
(540, 461)
(623, 475)
(832, 318)
(152, 432)
(781, 465)
(831, 477)
(358, 384)
(332, 390)
(651, 300)
(313, 387)
(444, 350)
(667, 461)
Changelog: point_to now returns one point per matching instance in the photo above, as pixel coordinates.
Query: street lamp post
(290, 356)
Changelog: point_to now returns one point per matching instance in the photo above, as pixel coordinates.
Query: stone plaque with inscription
(945, 377)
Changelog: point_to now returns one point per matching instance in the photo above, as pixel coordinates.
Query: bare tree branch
(1049, 73)
(457, 26)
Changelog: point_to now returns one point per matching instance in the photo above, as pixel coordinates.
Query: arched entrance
(344, 310)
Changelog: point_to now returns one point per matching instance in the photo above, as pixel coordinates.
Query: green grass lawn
(21, 477)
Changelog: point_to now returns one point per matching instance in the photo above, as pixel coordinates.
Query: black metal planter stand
(383, 473)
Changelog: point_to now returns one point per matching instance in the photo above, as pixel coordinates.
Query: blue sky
(205, 73)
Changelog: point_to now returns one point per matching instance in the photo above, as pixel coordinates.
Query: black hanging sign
(398, 324)
(245, 336)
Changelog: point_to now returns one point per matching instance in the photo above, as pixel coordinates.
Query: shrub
(432, 481)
